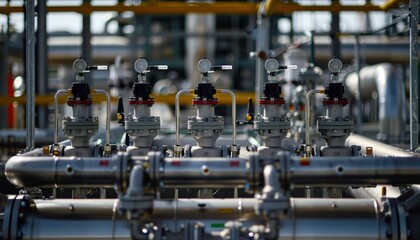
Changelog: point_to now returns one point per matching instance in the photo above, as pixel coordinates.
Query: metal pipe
(379, 148)
(308, 115)
(42, 60)
(261, 45)
(206, 172)
(108, 114)
(178, 113)
(233, 113)
(58, 93)
(307, 218)
(63, 172)
(353, 171)
(30, 74)
(320, 219)
(388, 83)
(178, 7)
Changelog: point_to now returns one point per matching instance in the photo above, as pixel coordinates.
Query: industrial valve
(81, 126)
(272, 125)
(334, 126)
(205, 127)
(140, 125)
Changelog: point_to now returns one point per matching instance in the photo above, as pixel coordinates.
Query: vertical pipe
(86, 44)
(335, 29)
(178, 113)
(233, 113)
(42, 60)
(59, 92)
(261, 45)
(414, 74)
(108, 115)
(308, 115)
(30, 74)
(359, 95)
(4, 38)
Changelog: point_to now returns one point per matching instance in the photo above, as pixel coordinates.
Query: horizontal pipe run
(353, 171)
(378, 148)
(307, 218)
(206, 172)
(176, 7)
(62, 172)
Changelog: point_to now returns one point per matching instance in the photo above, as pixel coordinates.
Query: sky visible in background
(303, 21)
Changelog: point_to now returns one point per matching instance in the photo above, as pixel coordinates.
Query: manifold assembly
(276, 190)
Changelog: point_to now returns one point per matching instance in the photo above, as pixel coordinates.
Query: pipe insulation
(387, 81)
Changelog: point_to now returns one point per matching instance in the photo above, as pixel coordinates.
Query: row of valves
(271, 125)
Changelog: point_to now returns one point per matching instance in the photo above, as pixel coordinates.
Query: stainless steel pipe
(320, 219)
(306, 219)
(353, 171)
(62, 172)
(206, 172)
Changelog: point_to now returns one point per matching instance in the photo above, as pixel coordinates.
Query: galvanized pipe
(57, 94)
(30, 74)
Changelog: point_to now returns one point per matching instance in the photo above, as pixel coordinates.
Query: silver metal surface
(387, 81)
(62, 172)
(30, 74)
(308, 115)
(321, 219)
(178, 114)
(206, 172)
(108, 114)
(57, 94)
(379, 148)
(353, 171)
(233, 113)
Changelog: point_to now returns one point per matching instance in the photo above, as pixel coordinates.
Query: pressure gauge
(271, 65)
(79, 65)
(141, 65)
(335, 65)
(204, 65)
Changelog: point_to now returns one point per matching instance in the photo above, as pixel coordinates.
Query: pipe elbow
(23, 172)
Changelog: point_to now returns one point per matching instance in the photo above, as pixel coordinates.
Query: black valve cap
(205, 91)
(334, 90)
(80, 90)
(272, 90)
(141, 90)
(250, 112)
(120, 111)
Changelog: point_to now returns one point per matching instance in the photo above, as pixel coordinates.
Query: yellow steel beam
(43, 100)
(391, 4)
(229, 8)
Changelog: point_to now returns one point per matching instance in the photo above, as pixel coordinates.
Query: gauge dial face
(79, 65)
(204, 65)
(271, 65)
(141, 65)
(335, 65)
